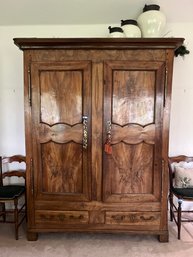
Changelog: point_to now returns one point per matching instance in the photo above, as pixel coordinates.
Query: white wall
(181, 124)
(11, 83)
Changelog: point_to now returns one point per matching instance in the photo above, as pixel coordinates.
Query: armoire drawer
(133, 218)
(62, 217)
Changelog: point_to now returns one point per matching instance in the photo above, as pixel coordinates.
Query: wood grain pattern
(97, 119)
(62, 217)
(62, 55)
(133, 134)
(61, 89)
(97, 217)
(135, 110)
(62, 168)
(60, 133)
(133, 96)
(99, 206)
(131, 171)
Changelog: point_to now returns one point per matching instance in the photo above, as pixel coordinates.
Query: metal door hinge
(31, 176)
(165, 85)
(29, 84)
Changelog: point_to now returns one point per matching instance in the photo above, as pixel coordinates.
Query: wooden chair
(182, 194)
(12, 193)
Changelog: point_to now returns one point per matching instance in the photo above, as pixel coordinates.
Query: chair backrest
(176, 159)
(18, 172)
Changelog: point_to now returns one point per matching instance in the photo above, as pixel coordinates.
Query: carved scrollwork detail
(118, 217)
(61, 217)
(151, 218)
(131, 218)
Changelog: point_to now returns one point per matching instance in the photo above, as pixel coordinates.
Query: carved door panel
(133, 107)
(61, 109)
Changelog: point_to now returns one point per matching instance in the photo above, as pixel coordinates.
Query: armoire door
(133, 108)
(61, 130)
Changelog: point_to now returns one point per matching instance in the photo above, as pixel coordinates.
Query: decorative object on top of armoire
(116, 32)
(152, 21)
(130, 28)
(97, 126)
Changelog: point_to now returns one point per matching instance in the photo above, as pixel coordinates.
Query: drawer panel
(61, 217)
(133, 218)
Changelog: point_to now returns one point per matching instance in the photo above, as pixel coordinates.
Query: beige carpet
(95, 245)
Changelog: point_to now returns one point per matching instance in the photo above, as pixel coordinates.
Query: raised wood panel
(62, 168)
(130, 172)
(61, 89)
(133, 96)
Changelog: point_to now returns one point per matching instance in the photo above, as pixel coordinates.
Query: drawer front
(62, 217)
(133, 218)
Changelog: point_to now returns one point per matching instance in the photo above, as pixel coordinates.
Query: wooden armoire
(97, 125)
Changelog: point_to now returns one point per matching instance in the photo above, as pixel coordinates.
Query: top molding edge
(97, 43)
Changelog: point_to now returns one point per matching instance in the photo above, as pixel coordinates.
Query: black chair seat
(184, 192)
(11, 191)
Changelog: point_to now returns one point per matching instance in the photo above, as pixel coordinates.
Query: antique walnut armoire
(97, 126)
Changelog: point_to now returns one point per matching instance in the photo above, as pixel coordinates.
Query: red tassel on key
(108, 148)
